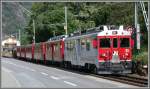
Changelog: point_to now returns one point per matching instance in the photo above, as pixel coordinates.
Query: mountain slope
(13, 17)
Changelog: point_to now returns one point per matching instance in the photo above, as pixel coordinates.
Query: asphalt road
(21, 74)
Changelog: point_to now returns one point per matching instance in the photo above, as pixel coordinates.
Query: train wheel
(86, 67)
(95, 70)
(62, 64)
(69, 65)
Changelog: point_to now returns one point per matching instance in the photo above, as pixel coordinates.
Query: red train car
(54, 51)
(104, 51)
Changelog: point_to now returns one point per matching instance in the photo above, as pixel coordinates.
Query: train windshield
(124, 42)
(115, 42)
(105, 43)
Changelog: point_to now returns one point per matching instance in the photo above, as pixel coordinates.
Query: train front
(115, 50)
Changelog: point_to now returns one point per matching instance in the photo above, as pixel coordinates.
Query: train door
(62, 49)
(83, 51)
(70, 50)
(32, 50)
(24, 52)
(78, 51)
(48, 51)
(115, 50)
(43, 51)
(52, 48)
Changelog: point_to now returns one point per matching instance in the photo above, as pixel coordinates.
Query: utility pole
(65, 27)
(33, 31)
(137, 26)
(29, 12)
(136, 15)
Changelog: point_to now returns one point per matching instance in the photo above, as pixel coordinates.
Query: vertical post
(148, 15)
(66, 20)
(136, 15)
(137, 26)
(148, 31)
(138, 36)
(16, 36)
(33, 31)
(19, 37)
(1, 48)
(53, 33)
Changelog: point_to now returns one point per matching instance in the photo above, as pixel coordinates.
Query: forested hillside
(13, 17)
(50, 17)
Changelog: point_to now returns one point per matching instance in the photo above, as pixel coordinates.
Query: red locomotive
(103, 50)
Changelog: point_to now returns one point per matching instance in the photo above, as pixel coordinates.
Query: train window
(124, 42)
(70, 45)
(83, 45)
(105, 43)
(66, 45)
(115, 42)
(88, 45)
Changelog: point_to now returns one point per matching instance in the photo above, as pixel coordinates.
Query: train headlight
(114, 32)
(127, 50)
(103, 54)
(126, 54)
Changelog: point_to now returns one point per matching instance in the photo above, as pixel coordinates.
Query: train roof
(103, 30)
(77, 34)
(120, 31)
(81, 36)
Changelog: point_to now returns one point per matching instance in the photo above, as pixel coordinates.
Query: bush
(142, 57)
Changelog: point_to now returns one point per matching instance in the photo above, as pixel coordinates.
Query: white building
(10, 42)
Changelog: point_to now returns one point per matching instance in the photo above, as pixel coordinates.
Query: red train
(103, 50)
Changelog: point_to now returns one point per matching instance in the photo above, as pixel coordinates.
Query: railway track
(136, 81)
(127, 79)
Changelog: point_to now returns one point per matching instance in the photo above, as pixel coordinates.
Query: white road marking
(44, 73)
(27, 68)
(6, 61)
(70, 83)
(7, 70)
(53, 77)
(19, 65)
(33, 70)
(66, 77)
